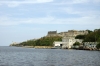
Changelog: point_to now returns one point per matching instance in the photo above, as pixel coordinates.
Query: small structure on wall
(68, 37)
(52, 33)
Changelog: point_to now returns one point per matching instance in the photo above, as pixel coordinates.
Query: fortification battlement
(68, 33)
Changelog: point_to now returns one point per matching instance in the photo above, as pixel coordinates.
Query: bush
(76, 44)
(98, 46)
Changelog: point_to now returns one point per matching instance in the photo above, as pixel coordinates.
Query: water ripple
(15, 56)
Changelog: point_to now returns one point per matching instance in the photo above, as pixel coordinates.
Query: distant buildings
(68, 38)
(69, 41)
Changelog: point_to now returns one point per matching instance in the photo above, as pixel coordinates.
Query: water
(15, 56)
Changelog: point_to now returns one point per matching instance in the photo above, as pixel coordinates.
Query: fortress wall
(69, 33)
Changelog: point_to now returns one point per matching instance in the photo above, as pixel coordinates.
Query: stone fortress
(68, 38)
(69, 33)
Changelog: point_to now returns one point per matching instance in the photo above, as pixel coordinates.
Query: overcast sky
(21, 20)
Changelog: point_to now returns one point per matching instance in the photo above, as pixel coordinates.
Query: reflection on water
(15, 56)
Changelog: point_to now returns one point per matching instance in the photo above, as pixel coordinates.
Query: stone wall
(43, 47)
(68, 33)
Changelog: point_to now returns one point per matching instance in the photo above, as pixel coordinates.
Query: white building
(68, 37)
(57, 44)
(69, 41)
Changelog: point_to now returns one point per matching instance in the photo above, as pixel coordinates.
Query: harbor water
(18, 56)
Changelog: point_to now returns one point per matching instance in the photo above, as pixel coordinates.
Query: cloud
(96, 1)
(44, 1)
(73, 2)
(17, 3)
(70, 10)
(85, 16)
(86, 20)
(79, 1)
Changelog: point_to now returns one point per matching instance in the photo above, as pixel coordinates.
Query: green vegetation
(90, 37)
(80, 37)
(44, 41)
(98, 45)
(76, 44)
(89, 31)
(93, 36)
(48, 41)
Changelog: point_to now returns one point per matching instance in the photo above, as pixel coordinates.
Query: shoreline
(50, 47)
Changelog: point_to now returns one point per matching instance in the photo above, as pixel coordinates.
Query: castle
(69, 33)
(68, 38)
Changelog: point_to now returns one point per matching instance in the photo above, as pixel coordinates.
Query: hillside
(44, 41)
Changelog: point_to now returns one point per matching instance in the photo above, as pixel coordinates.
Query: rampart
(68, 33)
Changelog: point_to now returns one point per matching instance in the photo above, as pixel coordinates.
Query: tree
(80, 37)
(98, 46)
(76, 44)
(89, 31)
(43, 41)
(92, 36)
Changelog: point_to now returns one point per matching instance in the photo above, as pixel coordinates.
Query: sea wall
(43, 47)
(28, 46)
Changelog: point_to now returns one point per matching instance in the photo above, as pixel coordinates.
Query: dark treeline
(44, 41)
(93, 36)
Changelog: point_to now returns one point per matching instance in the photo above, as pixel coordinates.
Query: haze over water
(17, 56)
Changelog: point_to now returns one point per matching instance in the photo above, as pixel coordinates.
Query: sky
(22, 20)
